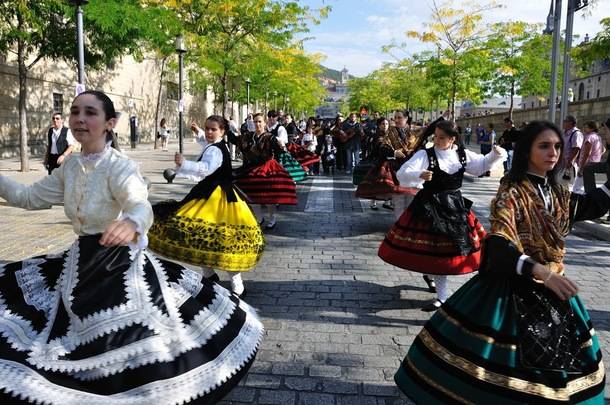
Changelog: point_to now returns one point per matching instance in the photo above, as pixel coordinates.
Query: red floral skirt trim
(412, 245)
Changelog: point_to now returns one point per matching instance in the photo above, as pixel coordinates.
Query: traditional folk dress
(212, 226)
(438, 233)
(261, 177)
(503, 338)
(381, 183)
(305, 157)
(98, 325)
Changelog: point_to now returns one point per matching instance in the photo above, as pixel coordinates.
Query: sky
(355, 30)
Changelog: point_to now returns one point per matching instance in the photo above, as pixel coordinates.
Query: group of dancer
(517, 331)
(109, 322)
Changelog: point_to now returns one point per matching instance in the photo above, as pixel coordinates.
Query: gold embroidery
(485, 338)
(517, 384)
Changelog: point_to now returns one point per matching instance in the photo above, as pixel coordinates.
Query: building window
(532, 104)
(598, 92)
(588, 95)
(58, 103)
(581, 91)
(599, 78)
(173, 91)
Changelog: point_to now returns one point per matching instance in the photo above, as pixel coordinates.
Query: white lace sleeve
(129, 189)
(477, 164)
(409, 172)
(197, 171)
(41, 195)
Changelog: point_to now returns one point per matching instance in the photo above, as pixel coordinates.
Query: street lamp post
(181, 50)
(274, 100)
(555, 59)
(248, 81)
(573, 6)
(80, 39)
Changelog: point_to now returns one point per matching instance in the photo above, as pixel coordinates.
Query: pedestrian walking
(107, 322)
(592, 150)
(516, 332)
(438, 234)
(163, 134)
(573, 139)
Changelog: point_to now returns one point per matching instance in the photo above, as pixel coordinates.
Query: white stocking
(441, 288)
(237, 285)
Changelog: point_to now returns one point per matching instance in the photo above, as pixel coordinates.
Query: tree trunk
(163, 61)
(223, 84)
(453, 89)
(512, 98)
(23, 123)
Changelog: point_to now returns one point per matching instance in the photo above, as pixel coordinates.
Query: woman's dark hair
(221, 121)
(523, 147)
(162, 122)
(380, 120)
(449, 128)
(107, 104)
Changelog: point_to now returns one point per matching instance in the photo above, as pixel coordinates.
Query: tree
(39, 29)
(457, 35)
(511, 66)
(225, 34)
(596, 49)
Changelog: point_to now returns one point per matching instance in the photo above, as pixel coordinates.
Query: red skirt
(381, 182)
(268, 183)
(302, 155)
(412, 245)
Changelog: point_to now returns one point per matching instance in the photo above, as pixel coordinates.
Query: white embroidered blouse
(449, 162)
(95, 190)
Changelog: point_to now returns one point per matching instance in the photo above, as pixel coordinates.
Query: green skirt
(294, 168)
(468, 353)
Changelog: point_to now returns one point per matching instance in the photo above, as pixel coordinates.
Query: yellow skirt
(215, 233)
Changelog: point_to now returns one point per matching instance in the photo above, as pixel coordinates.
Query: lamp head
(179, 44)
(79, 2)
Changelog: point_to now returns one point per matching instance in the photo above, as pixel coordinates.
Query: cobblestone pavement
(338, 320)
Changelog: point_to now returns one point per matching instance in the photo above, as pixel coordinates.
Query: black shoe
(374, 207)
(388, 206)
(271, 224)
(433, 306)
(213, 278)
(431, 284)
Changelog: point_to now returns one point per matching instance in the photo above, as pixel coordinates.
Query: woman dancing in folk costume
(104, 322)
(404, 143)
(438, 234)
(381, 181)
(516, 332)
(294, 169)
(305, 150)
(212, 226)
(262, 178)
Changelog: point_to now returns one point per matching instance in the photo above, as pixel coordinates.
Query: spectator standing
(573, 139)
(592, 151)
(467, 134)
(60, 143)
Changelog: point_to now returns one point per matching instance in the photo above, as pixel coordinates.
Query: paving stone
(278, 397)
(336, 316)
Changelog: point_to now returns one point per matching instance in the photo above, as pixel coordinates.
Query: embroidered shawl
(518, 214)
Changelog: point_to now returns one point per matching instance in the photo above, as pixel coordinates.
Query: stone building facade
(132, 85)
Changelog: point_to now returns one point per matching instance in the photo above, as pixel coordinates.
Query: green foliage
(596, 49)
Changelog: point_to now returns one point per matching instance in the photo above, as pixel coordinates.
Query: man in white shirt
(274, 127)
(573, 140)
(60, 143)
